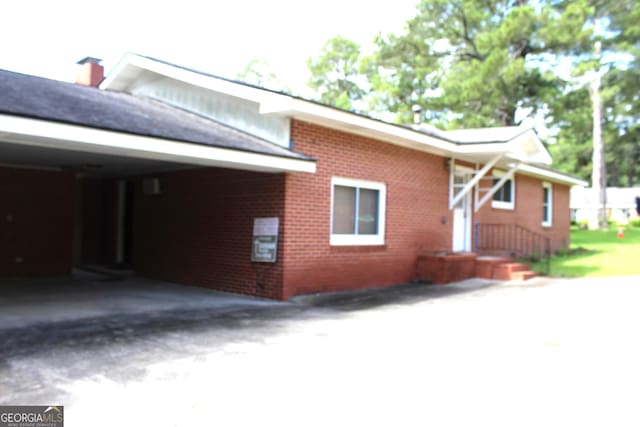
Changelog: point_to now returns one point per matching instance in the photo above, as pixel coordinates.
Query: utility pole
(598, 218)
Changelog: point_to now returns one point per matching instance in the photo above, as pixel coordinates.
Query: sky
(47, 37)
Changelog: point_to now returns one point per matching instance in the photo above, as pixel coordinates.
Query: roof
(622, 198)
(525, 147)
(492, 135)
(462, 136)
(486, 135)
(112, 109)
(52, 100)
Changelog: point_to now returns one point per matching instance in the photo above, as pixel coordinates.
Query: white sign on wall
(265, 239)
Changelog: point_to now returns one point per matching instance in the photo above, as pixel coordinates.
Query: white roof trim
(354, 123)
(407, 137)
(550, 175)
(492, 134)
(529, 148)
(41, 133)
(124, 76)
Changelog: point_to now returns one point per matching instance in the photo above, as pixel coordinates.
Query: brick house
(196, 179)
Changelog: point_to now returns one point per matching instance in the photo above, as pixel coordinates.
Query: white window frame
(549, 205)
(505, 205)
(360, 239)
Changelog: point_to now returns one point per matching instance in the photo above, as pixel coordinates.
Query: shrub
(635, 223)
(583, 224)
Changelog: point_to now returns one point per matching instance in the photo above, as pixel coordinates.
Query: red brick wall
(36, 222)
(528, 211)
(417, 199)
(199, 230)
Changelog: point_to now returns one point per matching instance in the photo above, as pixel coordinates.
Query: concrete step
(485, 265)
(513, 272)
(511, 267)
(525, 275)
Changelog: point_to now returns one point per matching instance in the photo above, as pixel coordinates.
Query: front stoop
(486, 265)
(500, 268)
(513, 271)
(445, 268)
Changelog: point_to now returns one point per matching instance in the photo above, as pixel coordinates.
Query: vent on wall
(151, 186)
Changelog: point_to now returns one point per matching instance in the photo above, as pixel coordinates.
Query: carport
(91, 177)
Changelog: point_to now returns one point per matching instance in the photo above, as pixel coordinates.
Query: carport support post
(120, 221)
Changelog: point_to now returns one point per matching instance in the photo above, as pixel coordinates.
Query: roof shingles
(40, 98)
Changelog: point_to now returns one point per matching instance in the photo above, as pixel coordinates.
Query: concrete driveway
(548, 352)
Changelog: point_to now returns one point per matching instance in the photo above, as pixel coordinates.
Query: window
(547, 204)
(505, 197)
(357, 212)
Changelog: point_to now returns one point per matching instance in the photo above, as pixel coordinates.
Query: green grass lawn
(599, 254)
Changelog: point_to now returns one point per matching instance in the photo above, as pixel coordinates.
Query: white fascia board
(361, 125)
(490, 148)
(113, 81)
(283, 106)
(365, 126)
(119, 77)
(530, 148)
(513, 149)
(550, 175)
(33, 132)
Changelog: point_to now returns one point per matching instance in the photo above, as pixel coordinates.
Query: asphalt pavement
(543, 352)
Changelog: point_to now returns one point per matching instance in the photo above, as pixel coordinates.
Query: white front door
(461, 213)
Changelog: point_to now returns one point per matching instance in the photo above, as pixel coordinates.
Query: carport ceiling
(81, 162)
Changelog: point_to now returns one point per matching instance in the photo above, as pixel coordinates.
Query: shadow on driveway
(143, 312)
(402, 294)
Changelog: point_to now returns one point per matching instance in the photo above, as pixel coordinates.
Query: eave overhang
(61, 136)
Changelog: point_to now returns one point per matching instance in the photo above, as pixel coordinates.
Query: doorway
(106, 223)
(462, 211)
(124, 250)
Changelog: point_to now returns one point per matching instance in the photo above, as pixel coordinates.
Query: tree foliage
(472, 63)
(258, 72)
(619, 88)
(335, 73)
(621, 128)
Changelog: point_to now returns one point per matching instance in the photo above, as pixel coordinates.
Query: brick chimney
(90, 73)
